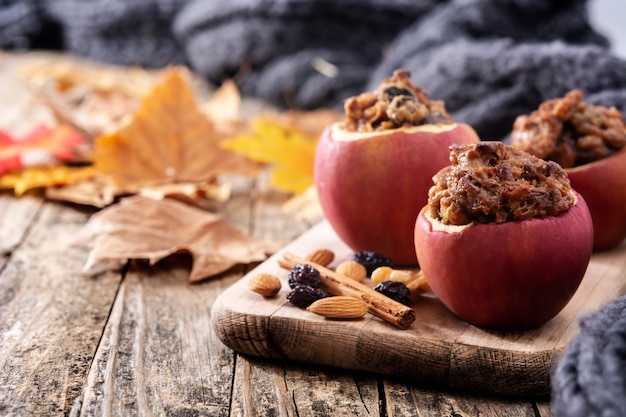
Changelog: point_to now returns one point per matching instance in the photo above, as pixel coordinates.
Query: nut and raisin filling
(490, 182)
(395, 103)
(570, 132)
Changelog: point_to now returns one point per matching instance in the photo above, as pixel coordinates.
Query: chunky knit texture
(590, 378)
(489, 60)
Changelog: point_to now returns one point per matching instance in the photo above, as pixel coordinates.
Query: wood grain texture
(51, 315)
(430, 403)
(17, 217)
(264, 388)
(439, 348)
(158, 355)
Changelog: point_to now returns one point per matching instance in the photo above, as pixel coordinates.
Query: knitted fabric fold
(122, 32)
(256, 37)
(20, 22)
(489, 60)
(589, 380)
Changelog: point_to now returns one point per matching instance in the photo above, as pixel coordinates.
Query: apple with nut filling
(590, 143)
(373, 170)
(504, 241)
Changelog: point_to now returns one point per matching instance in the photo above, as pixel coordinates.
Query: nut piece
(321, 256)
(265, 284)
(339, 307)
(415, 281)
(352, 269)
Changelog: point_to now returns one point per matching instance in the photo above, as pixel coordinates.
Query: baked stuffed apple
(504, 240)
(373, 169)
(589, 142)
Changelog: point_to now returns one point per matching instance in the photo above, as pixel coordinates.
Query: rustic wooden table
(140, 341)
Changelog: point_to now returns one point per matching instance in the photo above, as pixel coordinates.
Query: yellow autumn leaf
(41, 177)
(169, 140)
(286, 142)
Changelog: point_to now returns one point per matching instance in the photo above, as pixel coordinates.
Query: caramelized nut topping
(395, 103)
(570, 132)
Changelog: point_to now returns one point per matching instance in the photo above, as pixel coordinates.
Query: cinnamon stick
(378, 304)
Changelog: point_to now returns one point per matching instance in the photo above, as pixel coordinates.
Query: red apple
(603, 186)
(372, 185)
(513, 275)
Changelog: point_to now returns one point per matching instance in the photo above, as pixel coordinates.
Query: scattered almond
(265, 284)
(321, 256)
(352, 269)
(339, 307)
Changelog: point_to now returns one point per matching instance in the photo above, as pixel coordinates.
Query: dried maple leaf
(42, 146)
(169, 140)
(142, 228)
(288, 143)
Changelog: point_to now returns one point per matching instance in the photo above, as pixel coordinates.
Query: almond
(352, 269)
(265, 284)
(415, 281)
(339, 307)
(321, 256)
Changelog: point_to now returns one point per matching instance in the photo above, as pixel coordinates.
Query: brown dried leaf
(142, 228)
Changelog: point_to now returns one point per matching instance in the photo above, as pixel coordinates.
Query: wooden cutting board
(437, 349)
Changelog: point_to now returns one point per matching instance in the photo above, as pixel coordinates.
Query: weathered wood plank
(17, 217)
(266, 388)
(51, 315)
(158, 354)
(410, 400)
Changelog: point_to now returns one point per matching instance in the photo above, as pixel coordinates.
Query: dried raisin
(395, 290)
(304, 274)
(371, 260)
(303, 296)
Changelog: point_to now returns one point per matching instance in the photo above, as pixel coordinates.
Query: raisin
(393, 91)
(395, 290)
(304, 274)
(371, 260)
(303, 296)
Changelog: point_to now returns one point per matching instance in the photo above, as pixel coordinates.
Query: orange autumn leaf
(169, 140)
(42, 146)
(288, 143)
(142, 228)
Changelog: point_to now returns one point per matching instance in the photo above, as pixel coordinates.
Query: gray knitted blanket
(489, 60)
